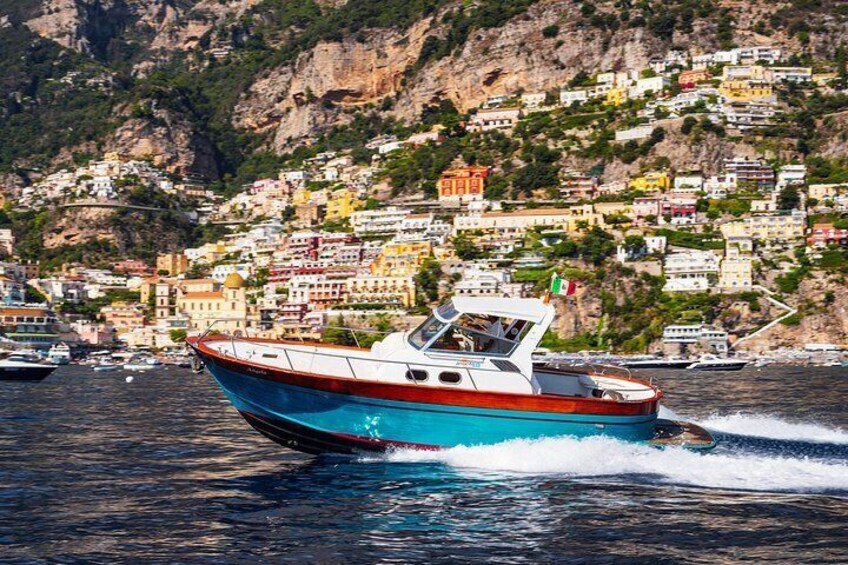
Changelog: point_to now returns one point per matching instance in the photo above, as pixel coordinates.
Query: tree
(178, 336)
(465, 248)
(688, 123)
(549, 31)
(336, 334)
(427, 280)
(788, 199)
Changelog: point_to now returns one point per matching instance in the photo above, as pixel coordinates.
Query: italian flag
(562, 287)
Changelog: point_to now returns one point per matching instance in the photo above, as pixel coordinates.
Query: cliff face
(296, 98)
(823, 305)
(169, 140)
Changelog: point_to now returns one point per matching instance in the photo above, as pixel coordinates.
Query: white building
(718, 186)
(568, 97)
(688, 183)
(690, 271)
(643, 86)
(384, 221)
(533, 99)
(639, 132)
(696, 333)
(220, 272)
(487, 119)
(389, 147)
(791, 174)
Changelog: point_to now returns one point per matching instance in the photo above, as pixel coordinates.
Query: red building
(823, 235)
(132, 267)
(463, 184)
(690, 79)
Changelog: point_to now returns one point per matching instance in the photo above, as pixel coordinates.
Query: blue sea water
(97, 470)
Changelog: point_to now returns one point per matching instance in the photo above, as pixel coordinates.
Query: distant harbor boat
(715, 363)
(465, 376)
(147, 364)
(59, 354)
(654, 362)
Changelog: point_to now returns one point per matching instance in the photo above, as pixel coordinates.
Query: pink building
(94, 333)
(646, 206)
(823, 235)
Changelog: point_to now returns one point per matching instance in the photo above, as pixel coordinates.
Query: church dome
(234, 280)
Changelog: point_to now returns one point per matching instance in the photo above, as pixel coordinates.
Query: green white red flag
(562, 286)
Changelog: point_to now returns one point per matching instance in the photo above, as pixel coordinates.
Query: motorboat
(59, 354)
(14, 368)
(655, 362)
(106, 366)
(715, 363)
(146, 364)
(465, 376)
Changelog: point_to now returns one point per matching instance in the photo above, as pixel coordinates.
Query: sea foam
(771, 427)
(607, 457)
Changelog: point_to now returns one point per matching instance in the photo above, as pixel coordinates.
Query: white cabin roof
(530, 309)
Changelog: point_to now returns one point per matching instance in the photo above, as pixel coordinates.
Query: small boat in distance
(146, 364)
(59, 354)
(465, 376)
(106, 366)
(655, 362)
(715, 363)
(20, 368)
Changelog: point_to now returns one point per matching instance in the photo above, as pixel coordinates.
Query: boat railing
(352, 360)
(353, 331)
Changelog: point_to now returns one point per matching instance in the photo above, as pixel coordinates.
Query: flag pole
(547, 298)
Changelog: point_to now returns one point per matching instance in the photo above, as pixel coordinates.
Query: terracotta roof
(23, 312)
(533, 212)
(198, 295)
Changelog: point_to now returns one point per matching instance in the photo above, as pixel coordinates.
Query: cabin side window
(416, 375)
(450, 377)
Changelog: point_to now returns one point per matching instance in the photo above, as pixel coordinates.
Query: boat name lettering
(475, 363)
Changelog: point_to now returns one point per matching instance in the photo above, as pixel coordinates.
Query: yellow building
(613, 208)
(341, 204)
(770, 228)
(301, 197)
(401, 259)
(381, 290)
(616, 96)
(172, 263)
(514, 225)
(207, 253)
(652, 182)
(745, 90)
(736, 272)
(225, 306)
(743, 72)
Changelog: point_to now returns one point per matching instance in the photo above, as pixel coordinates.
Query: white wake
(606, 457)
(774, 428)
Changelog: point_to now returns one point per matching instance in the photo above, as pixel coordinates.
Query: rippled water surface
(162, 469)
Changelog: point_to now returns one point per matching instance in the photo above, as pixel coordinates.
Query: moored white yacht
(464, 376)
(59, 354)
(715, 363)
(655, 362)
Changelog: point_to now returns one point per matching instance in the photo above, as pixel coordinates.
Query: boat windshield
(425, 332)
(470, 333)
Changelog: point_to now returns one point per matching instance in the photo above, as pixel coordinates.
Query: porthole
(449, 377)
(416, 375)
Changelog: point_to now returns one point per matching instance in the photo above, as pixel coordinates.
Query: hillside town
(332, 243)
